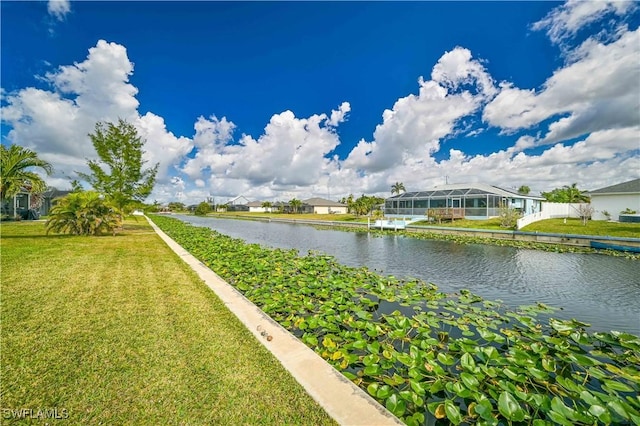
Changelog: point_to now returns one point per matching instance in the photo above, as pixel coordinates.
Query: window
(441, 203)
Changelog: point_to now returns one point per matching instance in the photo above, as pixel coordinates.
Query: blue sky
(300, 99)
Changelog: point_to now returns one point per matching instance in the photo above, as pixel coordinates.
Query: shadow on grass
(126, 232)
(56, 236)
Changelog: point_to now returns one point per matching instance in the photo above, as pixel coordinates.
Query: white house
(615, 198)
(256, 207)
(323, 206)
(472, 201)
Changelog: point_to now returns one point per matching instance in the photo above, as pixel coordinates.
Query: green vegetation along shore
(554, 226)
(453, 358)
(118, 330)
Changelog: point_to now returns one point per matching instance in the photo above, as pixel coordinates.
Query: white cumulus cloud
(564, 21)
(416, 124)
(59, 8)
(598, 90)
(56, 123)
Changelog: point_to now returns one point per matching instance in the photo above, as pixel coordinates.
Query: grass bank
(575, 226)
(118, 330)
(571, 226)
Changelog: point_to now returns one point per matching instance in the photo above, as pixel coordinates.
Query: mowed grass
(492, 224)
(118, 330)
(593, 227)
(553, 226)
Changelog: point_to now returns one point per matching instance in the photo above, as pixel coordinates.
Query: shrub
(508, 216)
(82, 213)
(202, 209)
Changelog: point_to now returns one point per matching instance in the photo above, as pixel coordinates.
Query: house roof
(237, 199)
(321, 202)
(255, 204)
(630, 187)
(53, 192)
(468, 189)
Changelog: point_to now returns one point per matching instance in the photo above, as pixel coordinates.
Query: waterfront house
(471, 201)
(256, 207)
(615, 199)
(323, 206)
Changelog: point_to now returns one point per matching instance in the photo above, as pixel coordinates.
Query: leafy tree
(524, 189)
(82, 213)
(349, 202)
(202, 209)
(567, 194)
(150, 208)
(295, 204)
(15, 173)
(119, 172)
(365, 204)
(397, 188)
(76, 186)
(175, 206)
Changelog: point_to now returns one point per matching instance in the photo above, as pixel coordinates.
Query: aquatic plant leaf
(509, 407)
(396, 405)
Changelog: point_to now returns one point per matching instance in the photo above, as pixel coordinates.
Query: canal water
(603, 291)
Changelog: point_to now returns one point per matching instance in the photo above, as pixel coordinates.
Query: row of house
(311, 205)
(474, 201)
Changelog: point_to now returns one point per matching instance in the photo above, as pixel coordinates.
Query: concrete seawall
(536, 237)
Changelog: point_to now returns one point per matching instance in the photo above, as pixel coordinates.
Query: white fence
(550, 211)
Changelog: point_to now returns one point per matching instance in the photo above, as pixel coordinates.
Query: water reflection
(601, 290)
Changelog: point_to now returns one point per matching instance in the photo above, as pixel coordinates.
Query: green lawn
(493, 224)
(118, 330)
(554, 226)
(593, 227)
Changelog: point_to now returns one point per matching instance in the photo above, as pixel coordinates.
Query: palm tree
(397, 187)
(266, 205)
(349, 202)
(82, 213)
(295, 204)
(14, 174)
(575, 195)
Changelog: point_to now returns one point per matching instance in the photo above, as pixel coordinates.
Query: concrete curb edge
(338, 396)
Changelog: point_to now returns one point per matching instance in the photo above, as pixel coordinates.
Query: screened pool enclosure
(472, 201)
